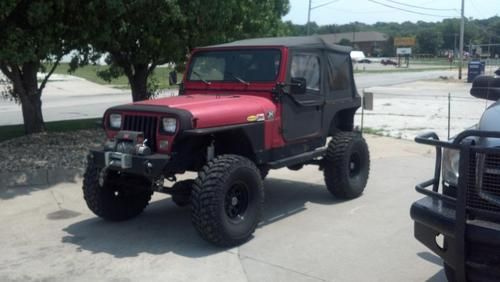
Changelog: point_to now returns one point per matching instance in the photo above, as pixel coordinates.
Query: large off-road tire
(347, 165)
(227, 200)
(118, 197)
(181, 192)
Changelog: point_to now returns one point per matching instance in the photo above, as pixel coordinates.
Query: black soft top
(299, 42)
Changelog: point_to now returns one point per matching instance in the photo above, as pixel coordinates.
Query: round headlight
(451, 160)
(169, 125)
(115, 121)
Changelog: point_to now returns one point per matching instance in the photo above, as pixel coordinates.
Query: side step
(298, 159)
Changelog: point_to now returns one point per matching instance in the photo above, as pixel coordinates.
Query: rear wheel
(347, 165)
(227, 200)
(114, 196)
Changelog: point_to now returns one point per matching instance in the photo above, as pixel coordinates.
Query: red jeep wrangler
(243, 108)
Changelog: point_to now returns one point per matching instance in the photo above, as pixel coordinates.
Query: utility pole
(489, 45)
(312, 8)
(455, 46)
(353, 34)
(462, 27)
(309, 17)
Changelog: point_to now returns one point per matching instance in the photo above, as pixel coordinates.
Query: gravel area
(49, 150)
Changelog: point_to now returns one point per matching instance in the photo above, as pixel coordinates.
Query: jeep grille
(483, 187)
(145, 124)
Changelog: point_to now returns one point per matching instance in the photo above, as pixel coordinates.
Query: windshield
(243, 66)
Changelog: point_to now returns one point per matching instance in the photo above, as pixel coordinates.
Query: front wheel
(114, 196)
(347, 165)
(227, 200)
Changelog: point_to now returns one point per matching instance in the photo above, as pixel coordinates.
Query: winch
(119, 151)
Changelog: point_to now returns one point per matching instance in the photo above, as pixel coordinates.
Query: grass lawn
(89, 73)
(13, 131)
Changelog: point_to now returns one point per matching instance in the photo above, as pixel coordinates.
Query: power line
(361, 12)
(409, 11)
(420, 7)
(324, 4)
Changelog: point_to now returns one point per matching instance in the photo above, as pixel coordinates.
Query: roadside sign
(404, 41)
(403, 51)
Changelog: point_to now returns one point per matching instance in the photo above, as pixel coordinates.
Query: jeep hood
(218, 110)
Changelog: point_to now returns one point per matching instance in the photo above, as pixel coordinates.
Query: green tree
(345, 42)
(139, 35)
(429, 41)
(33, 33)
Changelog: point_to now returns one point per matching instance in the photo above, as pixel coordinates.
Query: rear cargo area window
(338, 78)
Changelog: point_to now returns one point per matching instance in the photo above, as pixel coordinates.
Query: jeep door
(302, 112)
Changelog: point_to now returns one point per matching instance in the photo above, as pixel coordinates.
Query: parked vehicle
(386, 62)
(465, 214)
(364, 61)
(243, 108)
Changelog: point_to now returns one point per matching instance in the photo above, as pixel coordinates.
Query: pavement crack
(241, 264)
(240, 257)
(59, 204)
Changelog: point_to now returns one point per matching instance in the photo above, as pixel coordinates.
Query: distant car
(386, 62)
(364, 61)
(497, 72)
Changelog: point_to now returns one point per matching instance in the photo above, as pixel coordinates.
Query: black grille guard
(472, 170)
(477, 197)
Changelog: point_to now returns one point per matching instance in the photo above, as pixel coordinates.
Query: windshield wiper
(201, 78)
(238, 78)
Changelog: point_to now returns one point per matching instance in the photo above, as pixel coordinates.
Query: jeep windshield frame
(245, 66)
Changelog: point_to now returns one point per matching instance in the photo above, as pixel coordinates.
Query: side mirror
(298, 85)
(172, 77)
(486, 87)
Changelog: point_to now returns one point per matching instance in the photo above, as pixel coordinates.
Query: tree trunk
(139, 83)
(25, 87)
(32, 113)
(31, 100)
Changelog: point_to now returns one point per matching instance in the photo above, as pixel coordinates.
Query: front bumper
(150, 166)
(479, 247)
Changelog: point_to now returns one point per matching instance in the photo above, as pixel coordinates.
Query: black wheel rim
(354, 165)
(236, 201)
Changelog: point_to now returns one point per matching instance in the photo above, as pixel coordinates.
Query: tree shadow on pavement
(164, 228)
(24, 183)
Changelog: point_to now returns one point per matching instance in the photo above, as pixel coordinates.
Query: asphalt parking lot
(48, 234)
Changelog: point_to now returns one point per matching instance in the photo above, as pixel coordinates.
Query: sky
(368, 11)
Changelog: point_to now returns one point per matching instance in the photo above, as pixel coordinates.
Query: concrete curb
(39, 177)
